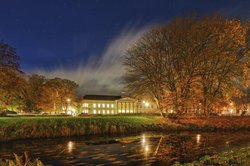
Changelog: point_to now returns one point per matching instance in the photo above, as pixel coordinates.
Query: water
(141, 149)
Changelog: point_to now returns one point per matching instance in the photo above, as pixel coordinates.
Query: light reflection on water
(198, 137)
(145, 146)
(70, 146)
(142, 149)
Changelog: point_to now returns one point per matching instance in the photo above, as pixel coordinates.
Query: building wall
(98, 107)
(105, 107)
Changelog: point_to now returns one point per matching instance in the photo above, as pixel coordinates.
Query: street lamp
(231, 108)
(68, 100)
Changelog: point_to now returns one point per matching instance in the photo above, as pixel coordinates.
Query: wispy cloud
(100, 74)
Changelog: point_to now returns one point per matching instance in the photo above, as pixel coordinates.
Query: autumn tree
(34, 93)
(189, 62)
(57, 92)
(12, 82)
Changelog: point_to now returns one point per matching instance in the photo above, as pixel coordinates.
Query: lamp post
(68, 100)
(231, 108)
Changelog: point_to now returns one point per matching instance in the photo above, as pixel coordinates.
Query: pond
(141, 149)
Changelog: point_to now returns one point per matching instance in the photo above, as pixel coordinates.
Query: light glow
(198, 137)
(70, 146)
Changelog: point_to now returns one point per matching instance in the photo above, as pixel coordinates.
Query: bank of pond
(15, 128)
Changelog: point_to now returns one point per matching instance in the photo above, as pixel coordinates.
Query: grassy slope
(237, 156)
(48, 127)
(44, 127)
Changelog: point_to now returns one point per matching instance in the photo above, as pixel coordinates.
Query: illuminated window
(99, 111)
(127, 111)
(108, 112)
(123, 111)
(131, 111)
(103, 105)
(85, 105)
(119, 111)
(103, 111)
(99, 105)
(94, 105)
(94, 111)
(112, 105)
(107, 105)
(112, 112)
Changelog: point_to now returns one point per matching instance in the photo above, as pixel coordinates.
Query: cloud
(100, 74)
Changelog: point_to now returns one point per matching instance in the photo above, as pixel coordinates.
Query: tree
(12, 82)
(188, 63)
(34, 93)
(56, 91)
(8, 56)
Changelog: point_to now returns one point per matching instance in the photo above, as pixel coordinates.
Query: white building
(106, 105)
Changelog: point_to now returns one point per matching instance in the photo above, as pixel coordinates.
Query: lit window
(108, 112)
(112, 112)
(112, 105)
(87, 104)
(94, 105)
(119, 111)
(107, 105)
(99, 105)
(99, 111)
(127, 111)
(94, 111)
(103, 111)
(103, 105)
(123, 111)
(131, 111)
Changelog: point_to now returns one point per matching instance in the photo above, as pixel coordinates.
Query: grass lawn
(116, 120)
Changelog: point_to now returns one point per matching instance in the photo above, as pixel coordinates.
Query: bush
(21, 161)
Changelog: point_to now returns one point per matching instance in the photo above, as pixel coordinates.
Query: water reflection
(198, 137)
(143, 149)
(70, 146)
(143, 139)
(145, 146)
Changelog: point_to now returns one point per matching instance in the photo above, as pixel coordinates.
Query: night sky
(85, 40)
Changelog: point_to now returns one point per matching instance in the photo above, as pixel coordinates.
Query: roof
(101, 97)
(127, 99)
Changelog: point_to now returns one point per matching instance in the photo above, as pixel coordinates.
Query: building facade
(110, 105)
